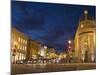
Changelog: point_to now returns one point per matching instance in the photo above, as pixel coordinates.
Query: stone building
(33, 49)
(18, 45)
(85, 39)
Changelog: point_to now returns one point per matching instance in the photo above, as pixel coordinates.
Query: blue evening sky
(49, 23)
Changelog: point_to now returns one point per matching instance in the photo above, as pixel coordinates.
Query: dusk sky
(50, 24)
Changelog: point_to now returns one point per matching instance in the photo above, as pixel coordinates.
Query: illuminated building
(62, 55)
(85, 46)
(33, 48)
(18, 45)
(42, 51)
(52, 52)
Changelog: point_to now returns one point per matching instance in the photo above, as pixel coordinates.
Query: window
(21, 47)
(23, 57)
(82, 25)
(20, 56)
(25, 41)
(19, 39)
(16, 57)
(18, 46)
(25, 47)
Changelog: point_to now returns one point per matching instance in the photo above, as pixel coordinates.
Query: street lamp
(69, 44)
(85, 12)
(45, 49)
(68, 52)
(69, 41)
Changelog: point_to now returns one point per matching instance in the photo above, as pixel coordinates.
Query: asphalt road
(39, 68)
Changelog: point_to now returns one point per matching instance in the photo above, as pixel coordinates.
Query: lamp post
(45, 53)
(68, 52)
(69, 42)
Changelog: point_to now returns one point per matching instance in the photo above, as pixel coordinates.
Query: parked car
(19, 62)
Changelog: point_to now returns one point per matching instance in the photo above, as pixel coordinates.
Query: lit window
(82, 26)
(21, 47)
(23, 56)
(19, 39)
(15, 43)
(18, 47)
(85, 42)
(22, 41)
(20, 56)
(16, 57)
(25, 42)
(25, 48)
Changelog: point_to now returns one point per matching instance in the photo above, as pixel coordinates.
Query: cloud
(27, 17)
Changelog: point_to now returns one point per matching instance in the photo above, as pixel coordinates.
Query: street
(39, 68)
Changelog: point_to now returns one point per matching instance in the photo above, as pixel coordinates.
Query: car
(29, 62)
(19, 62)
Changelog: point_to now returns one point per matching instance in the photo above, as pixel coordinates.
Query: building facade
(33, 49)
(85, 39)
(52, 53)
(18, 45)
